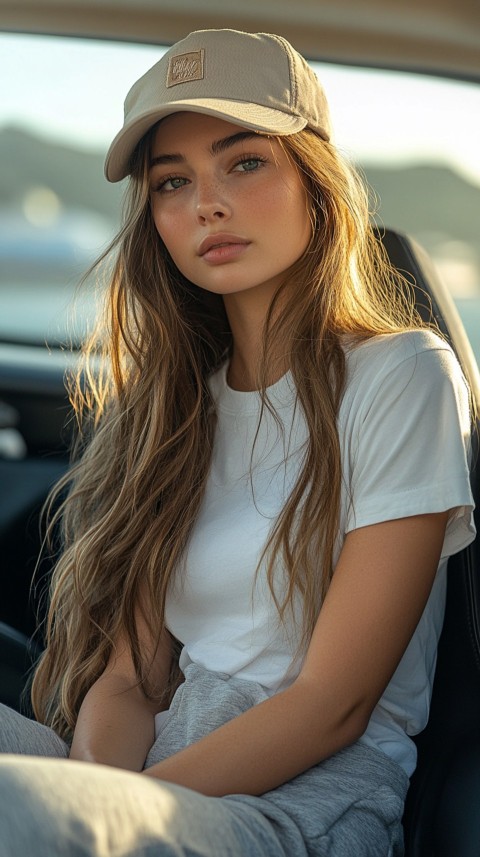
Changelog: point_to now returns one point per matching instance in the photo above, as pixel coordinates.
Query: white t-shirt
(404, 432)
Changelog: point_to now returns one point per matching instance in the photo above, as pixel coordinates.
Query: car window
(64, 104)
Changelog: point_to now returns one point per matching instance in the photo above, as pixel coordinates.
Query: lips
(220, 239)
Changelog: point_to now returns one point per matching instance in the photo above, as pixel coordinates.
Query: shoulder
(394, 348)
(404, 428)
(402, 379)
(395, 359)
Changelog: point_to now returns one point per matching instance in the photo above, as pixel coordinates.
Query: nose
(211, 204)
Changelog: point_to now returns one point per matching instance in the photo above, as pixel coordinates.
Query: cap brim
(247, 115)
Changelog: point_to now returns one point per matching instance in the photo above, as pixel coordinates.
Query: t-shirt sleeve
(410, 451)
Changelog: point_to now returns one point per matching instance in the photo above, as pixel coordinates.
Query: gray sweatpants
(348, 806)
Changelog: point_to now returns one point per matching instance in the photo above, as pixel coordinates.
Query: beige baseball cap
(256, 80)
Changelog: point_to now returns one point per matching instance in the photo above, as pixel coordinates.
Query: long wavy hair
(147, 421)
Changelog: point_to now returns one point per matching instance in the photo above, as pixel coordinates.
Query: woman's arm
(379, 590)
(115, 725)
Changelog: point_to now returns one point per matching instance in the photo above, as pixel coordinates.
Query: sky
(74, 90)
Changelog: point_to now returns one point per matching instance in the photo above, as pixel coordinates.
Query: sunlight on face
(228, 204)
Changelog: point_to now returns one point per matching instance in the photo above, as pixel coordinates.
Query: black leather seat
(17, 656)
(442, 814)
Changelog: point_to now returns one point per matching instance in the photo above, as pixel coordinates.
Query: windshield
(63, 105)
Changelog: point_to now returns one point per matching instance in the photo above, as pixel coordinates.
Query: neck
(247, 321)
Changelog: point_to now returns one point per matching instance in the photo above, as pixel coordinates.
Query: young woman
(273, 473)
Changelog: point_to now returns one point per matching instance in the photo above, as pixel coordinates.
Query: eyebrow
(217, 147)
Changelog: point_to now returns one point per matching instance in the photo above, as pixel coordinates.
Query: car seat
(18, 653)
(442, 813)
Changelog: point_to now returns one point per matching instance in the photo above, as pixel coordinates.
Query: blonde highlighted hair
(147, 422)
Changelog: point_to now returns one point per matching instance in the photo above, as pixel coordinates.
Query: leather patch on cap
(185, 67)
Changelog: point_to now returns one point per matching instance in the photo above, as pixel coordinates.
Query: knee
(53, 806)
(23, 818)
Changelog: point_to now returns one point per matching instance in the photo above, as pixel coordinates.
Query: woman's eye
(170, 184)
(249, 165)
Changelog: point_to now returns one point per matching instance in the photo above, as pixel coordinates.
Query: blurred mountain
(427, 199)
(75, 175)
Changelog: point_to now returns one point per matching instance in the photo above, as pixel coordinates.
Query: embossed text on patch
(185, 67)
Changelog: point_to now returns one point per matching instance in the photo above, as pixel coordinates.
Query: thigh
(19, 734)
(51, 806)
(350, 805)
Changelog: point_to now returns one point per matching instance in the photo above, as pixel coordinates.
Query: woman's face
(228, 204)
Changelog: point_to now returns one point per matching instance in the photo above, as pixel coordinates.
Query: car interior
(441, 816)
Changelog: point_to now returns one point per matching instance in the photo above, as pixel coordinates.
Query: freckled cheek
(266, 198)
(287, 209)
(169, 230)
